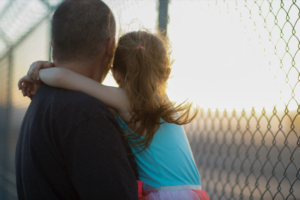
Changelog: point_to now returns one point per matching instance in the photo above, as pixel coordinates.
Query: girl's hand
(28, 87)
(33, 72)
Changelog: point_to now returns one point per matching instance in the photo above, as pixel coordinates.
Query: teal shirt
(168, 161)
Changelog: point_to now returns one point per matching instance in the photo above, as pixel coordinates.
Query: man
(70, 145)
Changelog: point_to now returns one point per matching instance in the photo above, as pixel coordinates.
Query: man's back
(70, 147)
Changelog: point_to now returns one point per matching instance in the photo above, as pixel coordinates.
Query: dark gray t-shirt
(70, 147)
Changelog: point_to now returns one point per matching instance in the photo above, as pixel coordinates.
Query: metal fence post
(50, 47)
(6, 127)
(163, 17)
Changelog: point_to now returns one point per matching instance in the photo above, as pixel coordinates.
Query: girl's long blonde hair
(143, 59)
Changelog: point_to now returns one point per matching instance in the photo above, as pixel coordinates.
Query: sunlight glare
(222, 60)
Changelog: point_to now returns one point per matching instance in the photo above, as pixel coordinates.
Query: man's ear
(110, 46)
(116, 75)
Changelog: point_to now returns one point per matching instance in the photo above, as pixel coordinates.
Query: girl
(151, 123)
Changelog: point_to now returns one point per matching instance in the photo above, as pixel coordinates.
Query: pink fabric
(202, 194)
(140, 186)
(178, 195)
(140, 190)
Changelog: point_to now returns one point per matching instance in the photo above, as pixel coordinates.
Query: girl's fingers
(24, 85)
(38, 80)
(24, 89)
(28, 92)
(32, 92)
(20, 84)
(23, 92)
(27, 86)
(49, 65)
(33, 72)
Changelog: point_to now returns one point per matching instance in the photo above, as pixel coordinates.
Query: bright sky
(221, 60)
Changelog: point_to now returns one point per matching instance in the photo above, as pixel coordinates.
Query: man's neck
(89, 69)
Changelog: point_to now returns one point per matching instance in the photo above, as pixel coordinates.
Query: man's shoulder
(65, 110)
(72, 101)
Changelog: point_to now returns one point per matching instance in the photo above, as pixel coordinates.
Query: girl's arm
(113, 97)
(28, 87)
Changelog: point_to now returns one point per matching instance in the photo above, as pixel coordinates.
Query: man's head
(82, 30)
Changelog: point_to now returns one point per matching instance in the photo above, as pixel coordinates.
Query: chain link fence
(241, 152)
(255, 153)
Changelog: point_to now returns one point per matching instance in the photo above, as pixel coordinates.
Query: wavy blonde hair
(143, 60)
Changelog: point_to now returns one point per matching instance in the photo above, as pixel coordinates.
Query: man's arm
(97, 163)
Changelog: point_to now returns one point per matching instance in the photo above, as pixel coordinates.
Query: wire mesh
(255, 154)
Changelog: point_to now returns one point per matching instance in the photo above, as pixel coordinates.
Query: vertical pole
(2, 130)
(50, 48)
(9, 109)
(6, 127)
(163, 17)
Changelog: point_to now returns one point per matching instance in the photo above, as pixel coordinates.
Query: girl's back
(168, 160)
